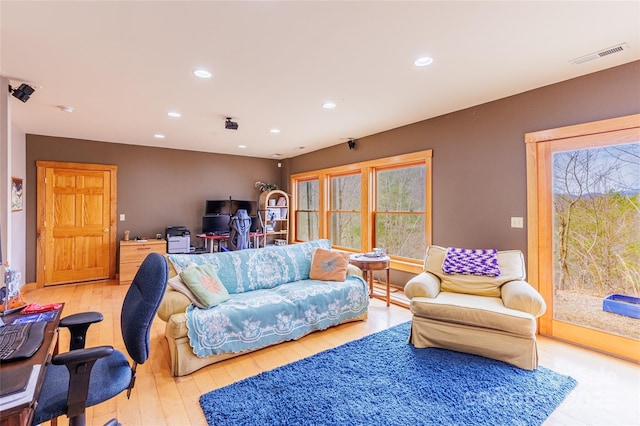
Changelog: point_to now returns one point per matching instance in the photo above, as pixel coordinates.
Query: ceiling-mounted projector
(230, 124)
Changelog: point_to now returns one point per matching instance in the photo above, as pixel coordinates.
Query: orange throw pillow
(329, 265)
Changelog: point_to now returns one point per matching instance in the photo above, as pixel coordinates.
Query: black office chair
(97, 374)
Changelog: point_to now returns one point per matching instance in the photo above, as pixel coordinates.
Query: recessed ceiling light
(65, 108)
(202, 73)
(423, 62)
(174, 114)
(242, 146)
(328, 105)
(158, 136)
(276, 155)
(275, 130)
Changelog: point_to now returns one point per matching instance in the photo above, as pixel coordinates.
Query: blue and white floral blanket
(272, 299)
(260, 318)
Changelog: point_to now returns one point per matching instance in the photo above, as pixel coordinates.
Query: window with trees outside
(584, 215)
(400, 208)
(383, 203)
(307, 209)
(345, 215)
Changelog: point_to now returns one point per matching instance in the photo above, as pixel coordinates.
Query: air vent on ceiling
(600, 54)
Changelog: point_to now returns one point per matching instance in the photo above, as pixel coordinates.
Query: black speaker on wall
(23, 92)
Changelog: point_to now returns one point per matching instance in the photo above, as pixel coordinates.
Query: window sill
(414, 268)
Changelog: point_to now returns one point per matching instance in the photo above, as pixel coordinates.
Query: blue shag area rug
(383, 380)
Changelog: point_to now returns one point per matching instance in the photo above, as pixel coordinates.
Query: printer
(178, 240)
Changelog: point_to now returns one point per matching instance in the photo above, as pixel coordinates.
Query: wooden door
(76, 222)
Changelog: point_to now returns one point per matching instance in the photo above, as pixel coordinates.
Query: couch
(270, 298)
(491, 316)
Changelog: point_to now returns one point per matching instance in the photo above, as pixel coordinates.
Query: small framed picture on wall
(17, 194)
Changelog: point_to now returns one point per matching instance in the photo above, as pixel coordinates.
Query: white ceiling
(123, 65)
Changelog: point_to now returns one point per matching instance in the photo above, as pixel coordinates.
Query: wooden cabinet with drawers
(132, 253)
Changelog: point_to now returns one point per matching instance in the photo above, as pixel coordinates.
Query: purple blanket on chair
(471, 262)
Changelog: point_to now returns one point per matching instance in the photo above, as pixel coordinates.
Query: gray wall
(157, 187)
(479, 169)
(479, 162)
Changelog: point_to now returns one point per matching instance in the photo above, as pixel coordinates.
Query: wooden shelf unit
(273, 207)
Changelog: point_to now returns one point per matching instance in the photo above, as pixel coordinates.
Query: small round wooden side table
(368, 265)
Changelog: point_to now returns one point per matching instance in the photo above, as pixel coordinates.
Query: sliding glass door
(584, 184)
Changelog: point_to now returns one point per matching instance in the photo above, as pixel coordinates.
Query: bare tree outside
(596, 202)
(345, 225)
(399, 214)
(307, 210)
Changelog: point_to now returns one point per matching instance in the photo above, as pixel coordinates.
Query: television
(213, 207)
(250, 206)
(217, 224)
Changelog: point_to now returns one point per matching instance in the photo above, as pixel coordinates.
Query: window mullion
(324, 206)
(368, 191)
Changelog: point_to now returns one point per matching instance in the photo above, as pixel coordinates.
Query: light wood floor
(608, 392)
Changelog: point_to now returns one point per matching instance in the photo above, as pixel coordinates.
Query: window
(345, 216)
(382, 203)
(307, 210)
(400, 211)
(583, 191)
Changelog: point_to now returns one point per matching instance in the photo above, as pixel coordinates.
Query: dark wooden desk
(21, 415)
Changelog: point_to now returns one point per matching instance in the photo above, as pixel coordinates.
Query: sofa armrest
(354, 270)
(173, 302)
(424, 284)
(519, 295)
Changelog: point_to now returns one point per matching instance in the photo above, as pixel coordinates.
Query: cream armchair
(493, 317)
